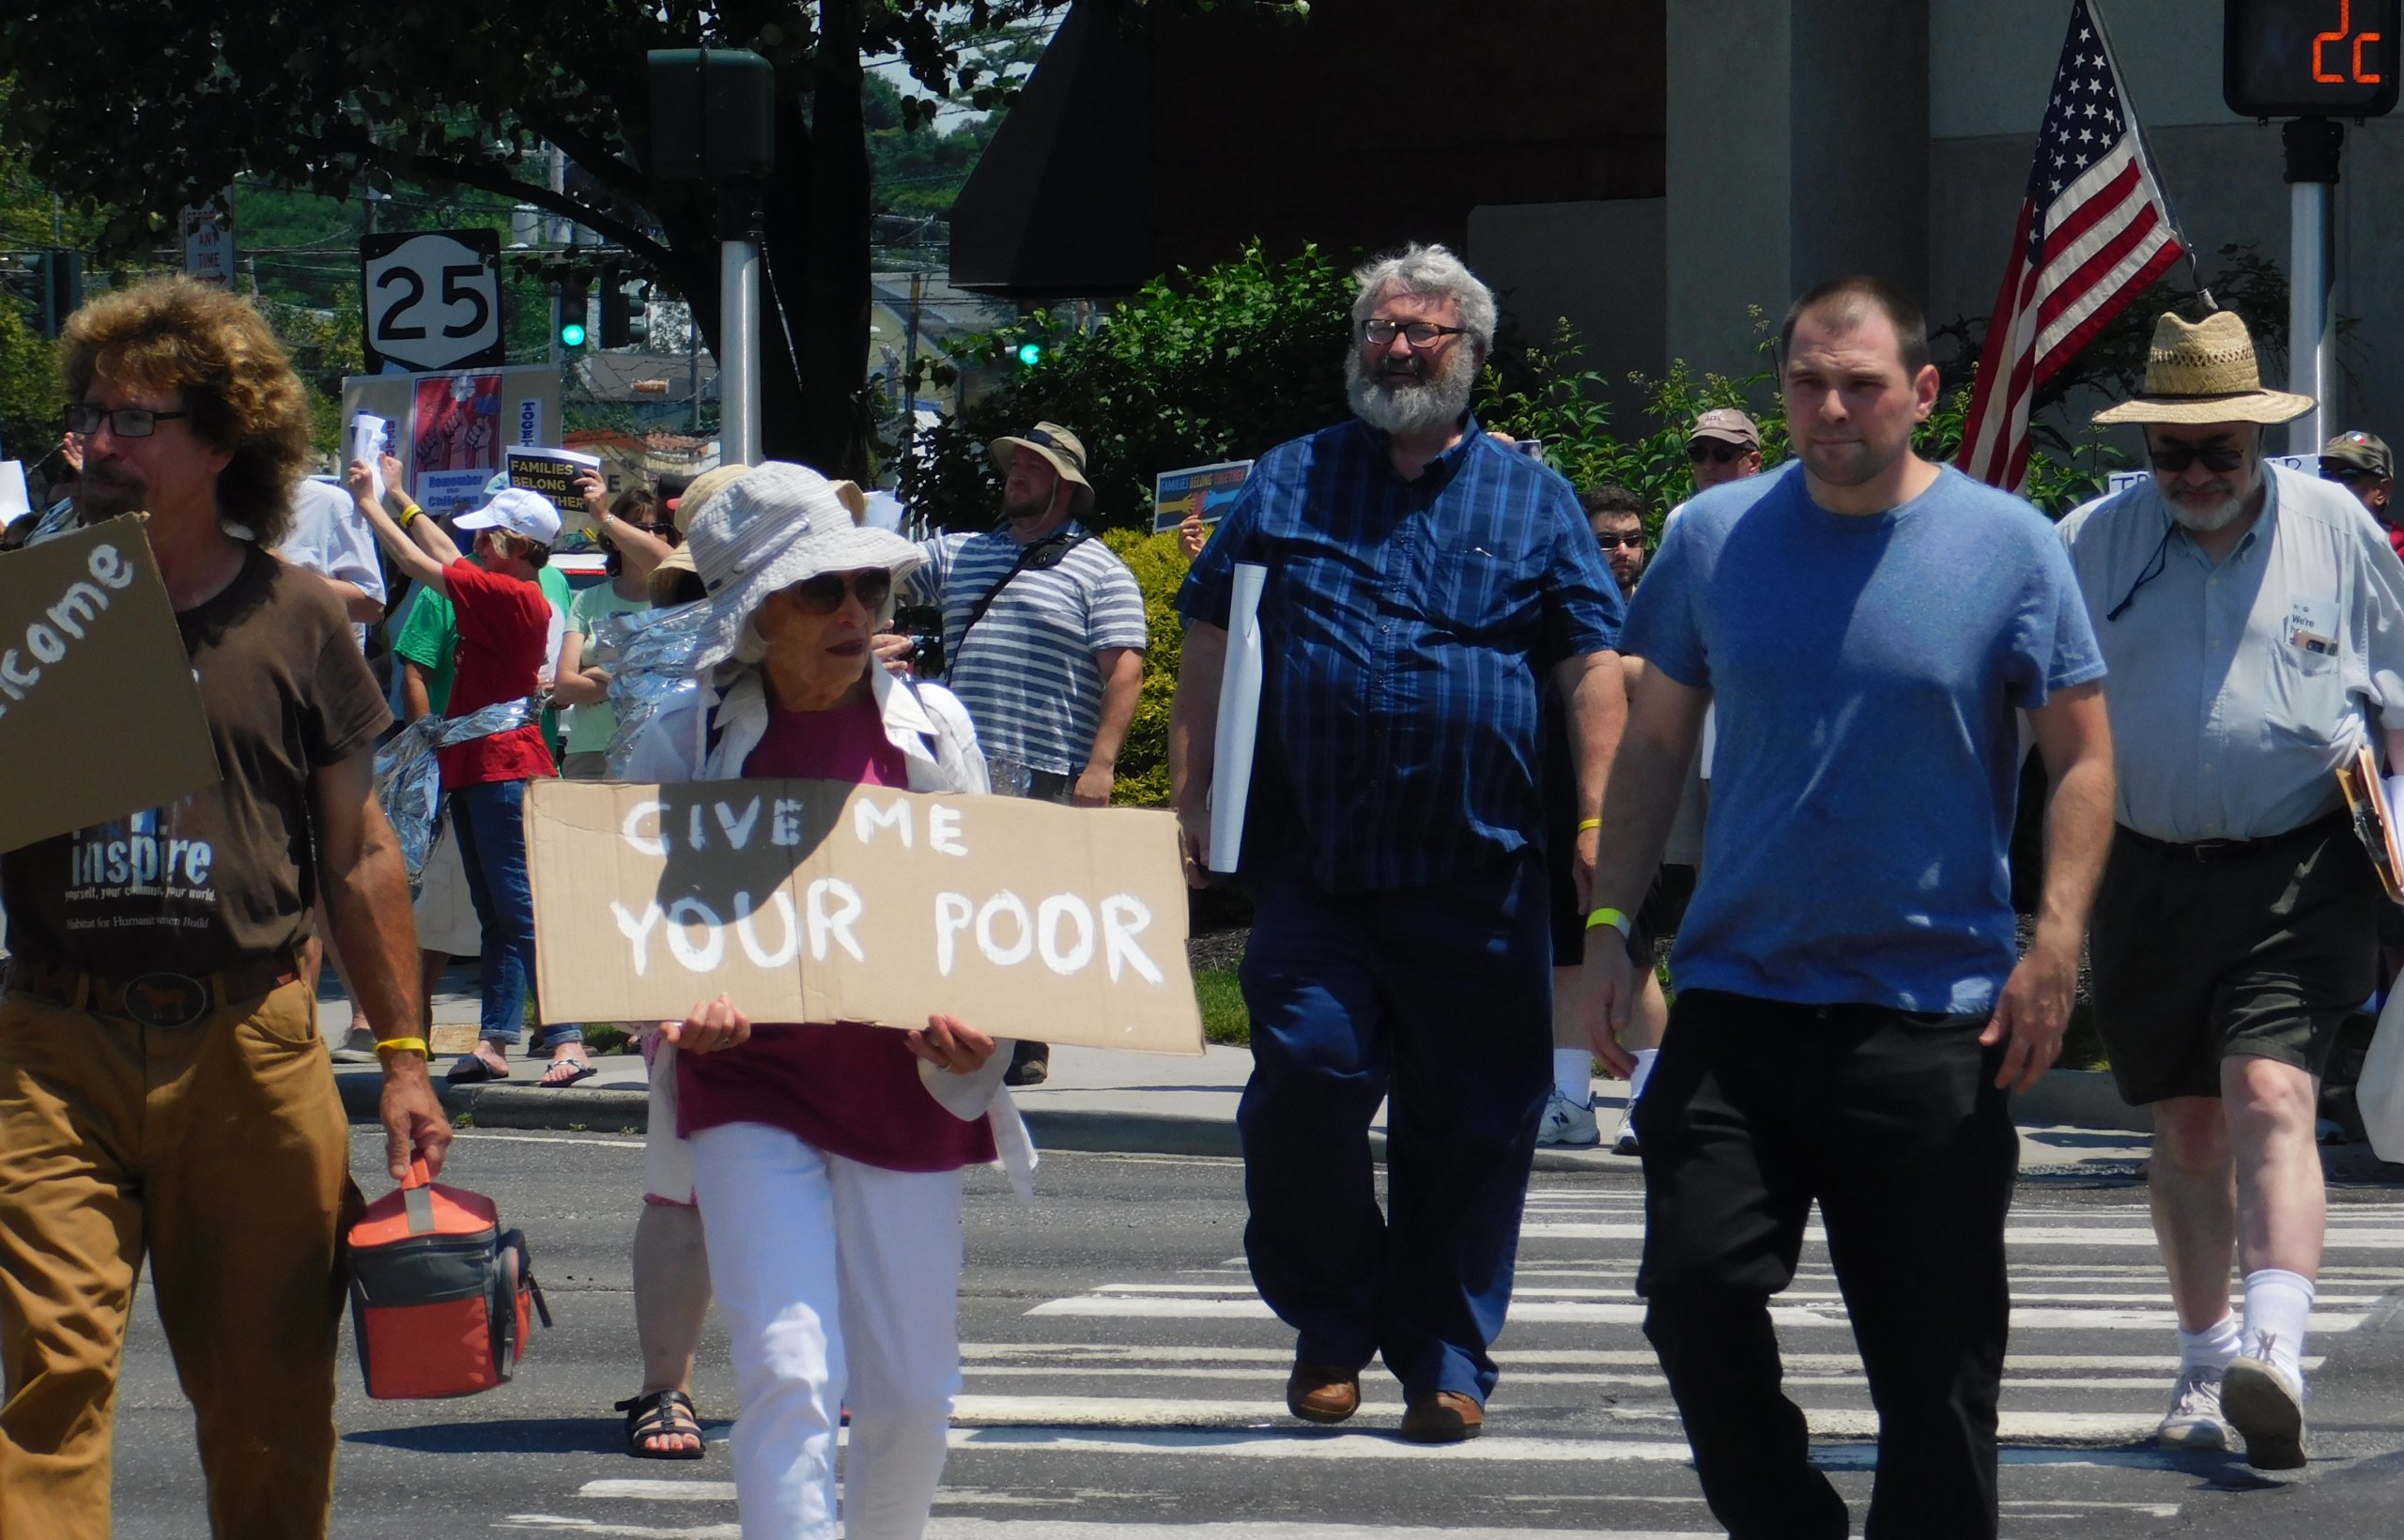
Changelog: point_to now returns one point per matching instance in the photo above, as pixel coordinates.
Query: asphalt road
(1123, 1384)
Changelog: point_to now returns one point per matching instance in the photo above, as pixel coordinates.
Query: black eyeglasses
(666, 535)
(2170, 459)
(823, 594)
(1633, 537)
(2154, 567)
(1716, 451)
(1381, 332)
(83, 420)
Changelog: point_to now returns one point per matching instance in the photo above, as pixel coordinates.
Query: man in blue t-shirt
(1850, 1013)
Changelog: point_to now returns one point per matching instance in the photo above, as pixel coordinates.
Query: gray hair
(1430, 270)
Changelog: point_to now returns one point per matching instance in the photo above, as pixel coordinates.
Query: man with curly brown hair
(163, 1086)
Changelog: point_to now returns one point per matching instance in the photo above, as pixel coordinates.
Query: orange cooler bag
(440, 1295)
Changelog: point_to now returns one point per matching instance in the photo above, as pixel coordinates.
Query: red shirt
(2396, 539)
(845, 1088)
(504, 627)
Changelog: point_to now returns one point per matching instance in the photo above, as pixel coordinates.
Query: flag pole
(2145, 147)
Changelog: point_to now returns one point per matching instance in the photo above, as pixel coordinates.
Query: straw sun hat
(2204, 372)
(778, 525)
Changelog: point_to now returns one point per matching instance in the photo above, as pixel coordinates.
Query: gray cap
(1727, 424)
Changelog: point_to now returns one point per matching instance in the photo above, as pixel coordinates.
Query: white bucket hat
(778, 525)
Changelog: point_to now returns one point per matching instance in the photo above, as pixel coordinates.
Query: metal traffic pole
(2313, 145)
(738, 373)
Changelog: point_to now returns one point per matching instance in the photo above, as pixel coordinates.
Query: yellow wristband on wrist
(1617, 919)
(401, 1045)
(1585, 823)
(409, 511)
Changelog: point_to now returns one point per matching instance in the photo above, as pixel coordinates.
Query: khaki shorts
(446, 915)
(2261, 952)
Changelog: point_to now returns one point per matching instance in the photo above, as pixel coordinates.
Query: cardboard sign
(806, 901)
(89, 648)
(1209, 490)
(552, 472)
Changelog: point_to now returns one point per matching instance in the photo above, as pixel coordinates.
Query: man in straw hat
(2253, 621)
(1043, 638)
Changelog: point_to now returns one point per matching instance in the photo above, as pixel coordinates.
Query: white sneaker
(2194, 1419)
(2266, 1407)
(1567, 1125)
(1623, 1142)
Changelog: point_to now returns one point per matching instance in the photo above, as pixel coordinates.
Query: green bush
(1159, 566)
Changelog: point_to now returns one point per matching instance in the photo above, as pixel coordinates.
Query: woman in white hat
(825, 1157)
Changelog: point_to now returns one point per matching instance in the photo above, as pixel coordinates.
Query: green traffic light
(572, 334)
(1030, 354)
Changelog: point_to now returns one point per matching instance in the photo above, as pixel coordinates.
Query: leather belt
(2211, 852)
(154, 999)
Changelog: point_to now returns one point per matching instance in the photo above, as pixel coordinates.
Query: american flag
(2094, 233)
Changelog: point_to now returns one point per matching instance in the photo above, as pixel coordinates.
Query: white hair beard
(1418, 407)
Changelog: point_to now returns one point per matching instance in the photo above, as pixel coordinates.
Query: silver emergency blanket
(649, 654)
(409, 777)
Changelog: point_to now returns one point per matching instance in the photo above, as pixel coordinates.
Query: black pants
(1894, 1122)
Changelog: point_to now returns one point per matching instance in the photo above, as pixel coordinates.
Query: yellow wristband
(401, 1045)
(409, 511)
(1616, 920)
(1585, 823)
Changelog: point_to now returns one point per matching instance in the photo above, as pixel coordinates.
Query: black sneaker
(1030, 1065)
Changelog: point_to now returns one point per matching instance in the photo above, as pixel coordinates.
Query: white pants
(840, 1283)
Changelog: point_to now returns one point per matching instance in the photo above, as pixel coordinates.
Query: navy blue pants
(490, 822)
(1440, 999)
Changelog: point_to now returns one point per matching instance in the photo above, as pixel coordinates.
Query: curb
(2065, 1099)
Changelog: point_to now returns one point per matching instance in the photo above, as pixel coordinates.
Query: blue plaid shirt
(1409, 628)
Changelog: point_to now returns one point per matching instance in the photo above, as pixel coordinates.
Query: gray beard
(2205, 523)
(1419, 407)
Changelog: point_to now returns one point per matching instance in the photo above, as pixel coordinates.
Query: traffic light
(625, 320)
(1030, 354)
(575, 299)
(58, 287)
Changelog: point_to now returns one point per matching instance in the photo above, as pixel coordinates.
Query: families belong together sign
(806, 900)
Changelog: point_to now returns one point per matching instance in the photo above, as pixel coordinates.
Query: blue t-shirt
(1865, 671)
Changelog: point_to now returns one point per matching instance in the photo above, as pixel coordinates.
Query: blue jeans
(490, 822)
(1439, 1000)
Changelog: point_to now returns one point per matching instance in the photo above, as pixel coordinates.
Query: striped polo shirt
(1026, 673)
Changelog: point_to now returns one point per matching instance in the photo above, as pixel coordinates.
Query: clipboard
(2366, 800)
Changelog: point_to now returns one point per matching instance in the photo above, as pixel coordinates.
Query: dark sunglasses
(2348, 473)
(666, 535)
(2170, 459)
(1633, 538)
(823, 593)
(1716, 451)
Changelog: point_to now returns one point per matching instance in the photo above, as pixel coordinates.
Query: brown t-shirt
(226, 875)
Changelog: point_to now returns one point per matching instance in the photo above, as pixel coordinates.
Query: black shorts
(2201, 955)
(1663, 909)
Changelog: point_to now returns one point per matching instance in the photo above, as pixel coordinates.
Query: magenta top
(848, 1088)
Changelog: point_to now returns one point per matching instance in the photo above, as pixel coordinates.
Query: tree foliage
(1216, 365)
(133, 108)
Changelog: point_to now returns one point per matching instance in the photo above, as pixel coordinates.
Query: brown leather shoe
(1322, 1392)
(1442, 1417)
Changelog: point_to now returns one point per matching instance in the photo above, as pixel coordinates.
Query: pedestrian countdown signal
(2311, 58)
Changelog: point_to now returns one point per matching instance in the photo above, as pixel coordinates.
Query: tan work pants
(222, 1150)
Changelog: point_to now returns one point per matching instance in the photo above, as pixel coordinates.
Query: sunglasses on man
(2170, 459)
(1717, 452)
(2338, 470)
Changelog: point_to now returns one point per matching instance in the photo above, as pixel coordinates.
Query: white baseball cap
(520, 512)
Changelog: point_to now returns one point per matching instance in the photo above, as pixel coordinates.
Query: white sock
(2210, 1348)
(2278, 1308)
(1643, 1073)
(1573, 1075)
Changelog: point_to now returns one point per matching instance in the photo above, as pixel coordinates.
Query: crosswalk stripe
(1524, 1311)
(2362, 1237)
(1523, 1289)
(979, 1355)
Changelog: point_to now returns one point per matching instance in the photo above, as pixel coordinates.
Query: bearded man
(1043, 639)
(1424, 583)
(2253, 618)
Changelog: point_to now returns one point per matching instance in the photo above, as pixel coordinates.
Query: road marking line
(561, 1524)
(2033, 1319)
(657, 1490)
(2382, 1237)
(1525, 1290)
(484, 1136)
(1026, 1529)
(1520, 1357)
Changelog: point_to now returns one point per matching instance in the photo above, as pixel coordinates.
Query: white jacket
(932, 729)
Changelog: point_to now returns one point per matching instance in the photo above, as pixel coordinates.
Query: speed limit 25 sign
(433, 299)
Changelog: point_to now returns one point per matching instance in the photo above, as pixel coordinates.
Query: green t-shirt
(430, 639)
(589, 728)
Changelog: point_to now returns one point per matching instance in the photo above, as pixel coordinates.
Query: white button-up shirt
(2236, 690)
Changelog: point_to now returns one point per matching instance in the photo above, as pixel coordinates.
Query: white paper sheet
(14, 501)
(368, 441)
(1238, 718)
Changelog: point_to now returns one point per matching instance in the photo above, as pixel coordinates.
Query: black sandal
(662, 1414)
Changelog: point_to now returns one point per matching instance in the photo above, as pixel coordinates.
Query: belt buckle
(166, 1000)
